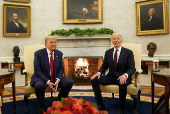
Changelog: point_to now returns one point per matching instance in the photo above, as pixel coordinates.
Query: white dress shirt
(150, 18)
(16, 23)
(49, 55)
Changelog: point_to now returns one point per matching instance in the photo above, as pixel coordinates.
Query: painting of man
(151, 16)
(16, 20)
(82, 9)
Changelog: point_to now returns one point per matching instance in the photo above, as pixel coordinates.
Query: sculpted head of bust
(16, 51)
(151, 48)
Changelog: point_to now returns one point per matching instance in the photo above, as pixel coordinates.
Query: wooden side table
(162, 78)
(4, 65)
(103, 112)
(6, 78)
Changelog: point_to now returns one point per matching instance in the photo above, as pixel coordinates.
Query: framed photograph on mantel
(82, 11)
(19, 0)
(152, 17)
(16, 20)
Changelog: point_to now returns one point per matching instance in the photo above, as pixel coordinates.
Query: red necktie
(52, 67)
(115, 59)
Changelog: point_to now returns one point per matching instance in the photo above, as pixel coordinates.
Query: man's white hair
(153, 9)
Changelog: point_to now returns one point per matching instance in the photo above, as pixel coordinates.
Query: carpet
(111, 104)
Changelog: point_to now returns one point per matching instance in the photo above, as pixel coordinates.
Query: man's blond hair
(49, 37)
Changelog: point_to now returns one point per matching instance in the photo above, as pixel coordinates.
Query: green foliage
(84, 105)
(71, 97)
(94, 105)
(79, 32)
(64, 101)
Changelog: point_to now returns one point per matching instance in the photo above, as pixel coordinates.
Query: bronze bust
(16, 51)
(151, 48)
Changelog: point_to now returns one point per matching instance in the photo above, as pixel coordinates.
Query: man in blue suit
(120, 62)
(48, 71)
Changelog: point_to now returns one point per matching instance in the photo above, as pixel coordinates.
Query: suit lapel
(55, 62)
(121, 56)
(46, 60)
(111, 56)
(14, 25)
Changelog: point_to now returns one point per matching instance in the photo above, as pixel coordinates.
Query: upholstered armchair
(29, 70)
(133, 89)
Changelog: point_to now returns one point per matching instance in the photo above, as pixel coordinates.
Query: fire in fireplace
(80, 69)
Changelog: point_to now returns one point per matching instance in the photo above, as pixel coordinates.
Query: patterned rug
(145, 98)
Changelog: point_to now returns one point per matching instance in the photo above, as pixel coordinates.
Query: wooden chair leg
(139, 93)
(113, 96)
(26, 102)
(51, 94)
(135, 103)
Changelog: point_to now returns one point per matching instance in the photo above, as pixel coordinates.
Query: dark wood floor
(144, 90)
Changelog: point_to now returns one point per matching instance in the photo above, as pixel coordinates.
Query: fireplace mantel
(71, 37)
(83, 41)
(83, 45)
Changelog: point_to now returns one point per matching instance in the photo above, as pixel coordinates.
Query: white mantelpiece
(84, 45)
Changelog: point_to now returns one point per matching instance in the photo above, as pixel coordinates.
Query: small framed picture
(19, 0)
(16, 20)
(152, 17)
(82, 11)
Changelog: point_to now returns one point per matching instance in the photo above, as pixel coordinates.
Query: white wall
(46, 15)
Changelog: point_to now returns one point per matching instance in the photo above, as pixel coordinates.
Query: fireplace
(80, 69)
(90, 50)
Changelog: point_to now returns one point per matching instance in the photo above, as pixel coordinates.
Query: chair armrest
(25, 73)
(139, 71)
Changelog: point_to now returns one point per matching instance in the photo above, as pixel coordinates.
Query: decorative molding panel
(84, 41)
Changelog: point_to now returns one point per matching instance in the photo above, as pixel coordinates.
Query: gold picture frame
(152, 17)
(78, 11)
(19, 0)
(16, 20)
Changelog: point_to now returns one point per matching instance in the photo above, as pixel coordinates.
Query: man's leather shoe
(41, 110)
(100, 107)
(120, 111)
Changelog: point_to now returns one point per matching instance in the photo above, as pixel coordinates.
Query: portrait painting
(152, 17)
(16, 20)
(18, 0)
(82, 11)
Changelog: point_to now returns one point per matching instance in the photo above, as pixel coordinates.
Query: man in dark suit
(15, 26)
(120, 62)
(153, 22)
(48, 71)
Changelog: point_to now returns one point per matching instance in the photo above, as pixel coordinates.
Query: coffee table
(6, 78)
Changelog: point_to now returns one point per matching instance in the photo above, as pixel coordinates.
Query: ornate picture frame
(16, 20)
(19, 0)
(78, 11)
(152, 17)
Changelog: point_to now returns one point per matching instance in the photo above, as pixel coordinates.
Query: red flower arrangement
(72, 106)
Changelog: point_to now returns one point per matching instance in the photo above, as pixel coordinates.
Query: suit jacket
(153, 24)
(125, 64)
(12, 28)
(42, 66)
